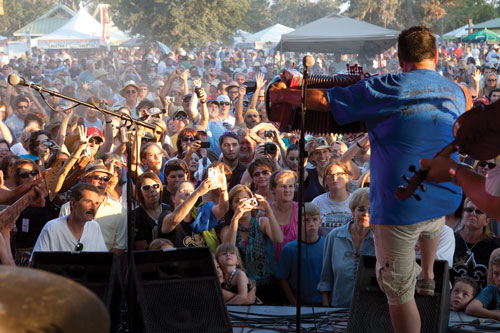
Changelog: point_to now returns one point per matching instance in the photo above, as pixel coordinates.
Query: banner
(105, 22)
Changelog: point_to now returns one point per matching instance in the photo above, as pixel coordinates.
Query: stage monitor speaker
(98, 271)
(369, 310)
(179, 291)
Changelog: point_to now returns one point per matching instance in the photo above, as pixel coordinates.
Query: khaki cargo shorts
(397, 268)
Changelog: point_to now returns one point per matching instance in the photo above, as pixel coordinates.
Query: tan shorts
(397, 268)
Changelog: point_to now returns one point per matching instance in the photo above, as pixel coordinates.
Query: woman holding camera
(254, 237)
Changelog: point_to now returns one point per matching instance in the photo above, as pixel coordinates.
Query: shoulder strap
(468, 97)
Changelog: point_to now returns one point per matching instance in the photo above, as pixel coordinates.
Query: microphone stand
(302, 155)
(14, 80)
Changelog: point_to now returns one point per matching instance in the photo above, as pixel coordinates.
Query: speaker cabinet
(178, 291)
(369, 310)
(98, 271)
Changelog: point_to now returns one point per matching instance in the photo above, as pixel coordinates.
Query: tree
(179, 22)
(21, 12)
(296, 13)
(258, 16)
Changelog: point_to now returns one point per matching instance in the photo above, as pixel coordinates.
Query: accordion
(288, 116)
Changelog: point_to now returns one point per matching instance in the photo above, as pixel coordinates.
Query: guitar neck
(11, 213)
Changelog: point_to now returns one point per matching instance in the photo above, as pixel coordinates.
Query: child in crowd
(235, 278)
(161, 244)
(463, 292)
(487, 303)
(311, 256)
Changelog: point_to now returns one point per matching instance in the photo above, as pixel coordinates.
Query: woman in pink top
(284, 208)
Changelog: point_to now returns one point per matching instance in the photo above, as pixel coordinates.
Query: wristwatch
(453, 171)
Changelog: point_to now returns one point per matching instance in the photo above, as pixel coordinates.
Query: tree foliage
(296, 13)
(21, 12)
(179, 22)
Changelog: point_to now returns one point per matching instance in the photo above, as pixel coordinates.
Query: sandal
(426, 287)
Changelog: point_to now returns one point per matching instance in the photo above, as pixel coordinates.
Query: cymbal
(35, 301)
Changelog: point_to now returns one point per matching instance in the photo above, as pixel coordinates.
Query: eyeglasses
(147, 188)
(336, 175)
(245, 104)
(224, 103)
(188, 139)
(180, 117)
(263, 173)
(4, 150)
(22, 106)
(363, 209)
(78, 247)
(25, 175)
(130, 91)
(470, 210)
(490, 165)
(101, 178)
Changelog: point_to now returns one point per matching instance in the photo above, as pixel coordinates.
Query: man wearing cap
(77, 231)
(109, 213)
(251, 118)
(233, 90)
(492, 53)
(224, 109)
(130, 92)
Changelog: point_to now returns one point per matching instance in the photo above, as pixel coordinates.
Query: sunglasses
(78, 247)
(130, 92)
(188, 139)
(245, 104)
(181, 116)
(95, 141)
(492, 80)
(363, 209)
(470, 210)
(224, 103)
(490, 165)
(263, 173)
(25, 175)
(147, 188)
(22, 106)
(101, 178)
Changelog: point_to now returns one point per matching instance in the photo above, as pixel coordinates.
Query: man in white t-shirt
(77, 231)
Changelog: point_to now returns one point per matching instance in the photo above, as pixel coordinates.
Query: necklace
(469, 250)
(228, 283)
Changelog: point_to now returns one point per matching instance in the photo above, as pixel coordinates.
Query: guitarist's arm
(472, 183)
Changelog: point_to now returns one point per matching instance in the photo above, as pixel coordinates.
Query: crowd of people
(214, 171)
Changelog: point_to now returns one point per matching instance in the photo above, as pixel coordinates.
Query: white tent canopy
(82, 31)
(459, 32)
(269, 35)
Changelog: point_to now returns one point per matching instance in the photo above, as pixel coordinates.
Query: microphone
(15, 80)
(308, 61)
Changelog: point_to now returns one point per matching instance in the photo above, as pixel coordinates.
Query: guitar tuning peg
(405, 178)
(412, 168)
(423, 187)
(417, 197)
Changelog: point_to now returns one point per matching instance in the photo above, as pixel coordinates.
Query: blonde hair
(341, 165)
(311, 209)
(161, 243)
(487, 232)
(228, 247)
(361, 194)
(278, 176)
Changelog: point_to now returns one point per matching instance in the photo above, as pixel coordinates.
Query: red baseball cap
(93, 132)
(481, 100)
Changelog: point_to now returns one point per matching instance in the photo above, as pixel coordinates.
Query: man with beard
(77, 231)
(109, 213)
(247, 149)
(229, 144)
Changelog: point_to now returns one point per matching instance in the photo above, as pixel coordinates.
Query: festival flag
(1, 7)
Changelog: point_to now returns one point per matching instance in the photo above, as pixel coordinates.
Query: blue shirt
(490, 297)
(340, 263)
(312, 260)
(214, 130)
(409, 116)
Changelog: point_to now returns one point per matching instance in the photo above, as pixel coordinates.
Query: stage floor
(263, 318)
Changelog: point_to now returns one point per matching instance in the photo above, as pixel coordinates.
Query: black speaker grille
(187, 305)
